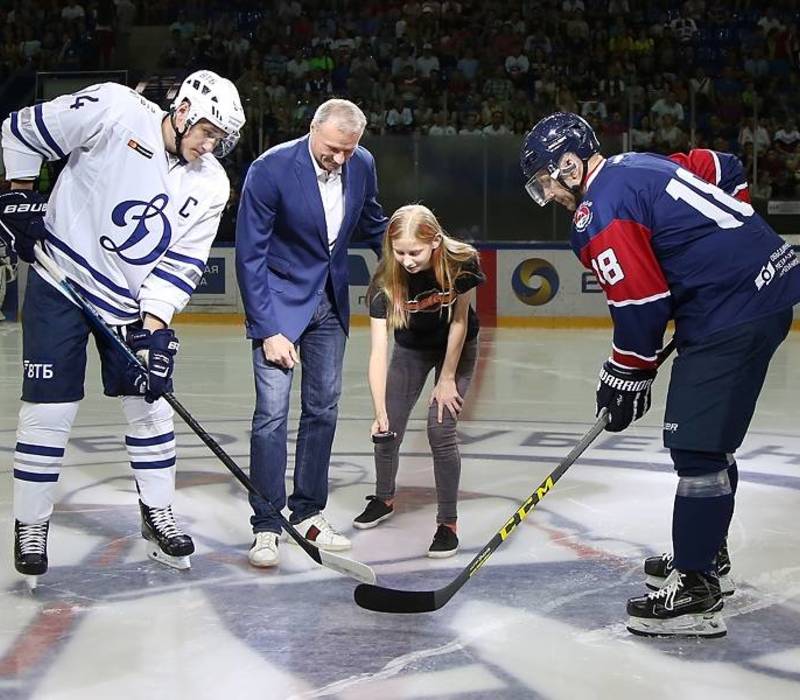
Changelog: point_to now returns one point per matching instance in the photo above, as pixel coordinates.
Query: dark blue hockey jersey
(666, 244)
(721, 169)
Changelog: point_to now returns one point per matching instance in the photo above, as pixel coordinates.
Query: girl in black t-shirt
(422, 290)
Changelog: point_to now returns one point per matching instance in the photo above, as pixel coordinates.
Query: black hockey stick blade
(343, 565)
(395, 600)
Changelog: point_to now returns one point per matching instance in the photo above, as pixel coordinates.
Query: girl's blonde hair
(391, 278)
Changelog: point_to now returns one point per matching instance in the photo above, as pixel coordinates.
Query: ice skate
(165, 542)
(30, 551)
(689, 604)
(657, 569)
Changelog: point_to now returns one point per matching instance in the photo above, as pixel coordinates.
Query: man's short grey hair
(346, 116)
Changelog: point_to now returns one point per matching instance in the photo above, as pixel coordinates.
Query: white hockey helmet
(216, 99)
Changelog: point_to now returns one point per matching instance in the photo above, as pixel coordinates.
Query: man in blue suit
(301, 203)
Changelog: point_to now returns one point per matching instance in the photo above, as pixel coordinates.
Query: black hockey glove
(625, 393)
(157, 350)
(22, 221)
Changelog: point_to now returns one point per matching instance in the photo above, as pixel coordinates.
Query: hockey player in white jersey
(130, 220)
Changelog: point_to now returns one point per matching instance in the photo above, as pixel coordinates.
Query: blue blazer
(282, 256)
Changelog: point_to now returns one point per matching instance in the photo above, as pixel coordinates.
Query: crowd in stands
(668, 74)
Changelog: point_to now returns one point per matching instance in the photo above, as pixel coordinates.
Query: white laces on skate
(32, 538)
(164, 521)
(667, 559)
(669, 590)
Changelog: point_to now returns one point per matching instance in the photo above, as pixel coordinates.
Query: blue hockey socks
(700, 519)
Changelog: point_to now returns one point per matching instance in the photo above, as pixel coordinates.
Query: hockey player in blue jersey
(667, 243)
(130, 221)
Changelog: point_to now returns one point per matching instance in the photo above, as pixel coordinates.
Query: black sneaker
(657, 569)
(689, 604)
(445, 543)
(375, 512)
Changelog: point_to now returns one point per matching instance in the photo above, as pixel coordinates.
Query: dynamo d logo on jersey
(535, 282)
(583, 216)
(151, 233)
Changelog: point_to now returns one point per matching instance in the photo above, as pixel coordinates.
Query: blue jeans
(321, 354)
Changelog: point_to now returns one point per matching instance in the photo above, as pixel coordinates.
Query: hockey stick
(394, 600)
(342, 565)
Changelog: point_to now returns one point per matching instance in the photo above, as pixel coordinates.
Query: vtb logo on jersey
(151, 233)
(37, 370)
(583, 216)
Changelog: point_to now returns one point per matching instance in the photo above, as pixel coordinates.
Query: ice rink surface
(543, 619)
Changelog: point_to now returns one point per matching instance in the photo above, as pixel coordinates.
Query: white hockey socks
(42, 434)
(150, 442)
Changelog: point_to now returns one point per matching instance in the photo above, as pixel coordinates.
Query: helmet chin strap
(576, 190)
(178, 138)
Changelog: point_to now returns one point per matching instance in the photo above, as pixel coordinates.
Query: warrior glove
(625, 393)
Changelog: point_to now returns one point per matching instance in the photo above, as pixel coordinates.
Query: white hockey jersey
(130, 226)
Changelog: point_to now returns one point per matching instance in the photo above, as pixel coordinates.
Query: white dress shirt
(332, 193)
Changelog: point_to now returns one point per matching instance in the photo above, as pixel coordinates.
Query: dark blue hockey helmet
(544, 146)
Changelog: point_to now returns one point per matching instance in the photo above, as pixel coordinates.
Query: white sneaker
(318, 531)
(264, 552)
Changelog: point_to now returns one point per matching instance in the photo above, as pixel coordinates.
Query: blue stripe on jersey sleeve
(15, 130)
(199, 264)
(46, 135)
(172, 279)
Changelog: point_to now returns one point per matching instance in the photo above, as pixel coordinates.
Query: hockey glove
(22, 221)
(625, 393)
(157, 351)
